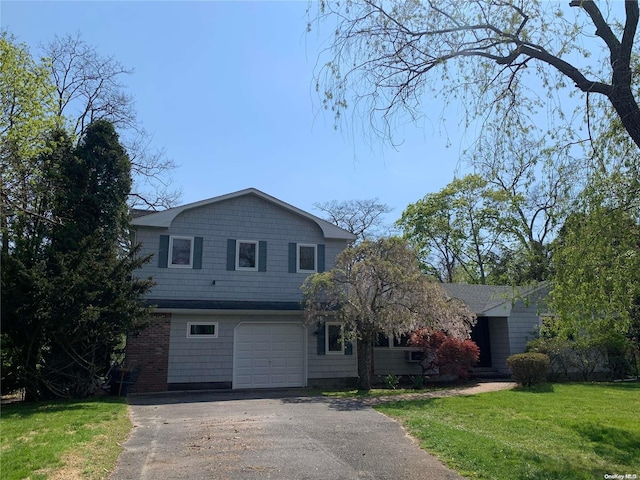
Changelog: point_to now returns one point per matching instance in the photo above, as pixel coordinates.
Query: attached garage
(269, 355)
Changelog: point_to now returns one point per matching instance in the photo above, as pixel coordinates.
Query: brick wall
(148, 350)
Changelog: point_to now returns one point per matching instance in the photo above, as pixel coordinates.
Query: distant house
(227, 301)
(507, 319)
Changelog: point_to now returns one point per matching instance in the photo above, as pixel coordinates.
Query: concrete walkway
(275, 435)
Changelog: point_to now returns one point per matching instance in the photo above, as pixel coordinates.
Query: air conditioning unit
(413, 356)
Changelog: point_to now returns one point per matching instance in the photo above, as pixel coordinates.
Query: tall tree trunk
(364, 362)
(627, 109)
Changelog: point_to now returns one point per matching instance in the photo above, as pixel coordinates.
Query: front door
(480, 335)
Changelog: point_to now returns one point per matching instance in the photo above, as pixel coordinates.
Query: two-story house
(227, 309)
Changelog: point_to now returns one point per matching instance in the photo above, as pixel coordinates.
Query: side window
(181, 252)
(334, 338)
(246, 255)
(202, 329)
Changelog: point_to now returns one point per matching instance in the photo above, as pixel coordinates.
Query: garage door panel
(269, 355)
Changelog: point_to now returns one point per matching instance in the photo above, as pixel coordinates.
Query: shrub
(391, 381)
(451, 356)
(562, 355)
(417, 382)
(456, 357)
(529, 368)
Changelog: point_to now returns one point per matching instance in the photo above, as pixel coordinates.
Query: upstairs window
(246, 255)
(306, 258)
(181, 252)
(177, 251)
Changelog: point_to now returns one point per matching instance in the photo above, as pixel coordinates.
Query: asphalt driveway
(277, 435)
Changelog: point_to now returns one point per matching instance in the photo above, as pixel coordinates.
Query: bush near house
(449, 355)
(608, 356)
(529, 368)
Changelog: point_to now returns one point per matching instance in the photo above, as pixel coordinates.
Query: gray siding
(329, 366)
(247, 218)
(523, 323)
(392, 361)
(499, 341)
(196, 360)
(193, 360)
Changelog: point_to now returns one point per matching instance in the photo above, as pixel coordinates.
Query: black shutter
(348, 348)
(320, 258)
(231, 254)
(163, 251)
(293, 261)
(262, 256)
(321, 338)
(197, 253)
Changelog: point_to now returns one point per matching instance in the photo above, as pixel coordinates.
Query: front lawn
(62, 439)
(560, 431)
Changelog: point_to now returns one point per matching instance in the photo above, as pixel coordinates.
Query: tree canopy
(378, 287)
(363, 218)
(513, 60)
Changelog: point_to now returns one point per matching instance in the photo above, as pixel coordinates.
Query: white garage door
(269, 355)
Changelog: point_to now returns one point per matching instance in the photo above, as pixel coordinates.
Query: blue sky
(227, 89)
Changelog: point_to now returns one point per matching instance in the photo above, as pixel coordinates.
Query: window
(306, 258)
(403, 341)
(382, 340)
(202, 329)
(246, 255)
(181, 252)
(334, 338)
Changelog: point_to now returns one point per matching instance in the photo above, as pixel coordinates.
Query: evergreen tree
(93, 301)
(68, 295)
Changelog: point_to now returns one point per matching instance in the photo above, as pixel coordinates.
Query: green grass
(62, 439)
(560, 431)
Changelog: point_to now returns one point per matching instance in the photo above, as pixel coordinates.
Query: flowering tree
(378, 287)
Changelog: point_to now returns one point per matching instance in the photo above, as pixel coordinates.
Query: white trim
(202, 335)
(248, 269)
(315, 257)
(170, 253)
(326, 338)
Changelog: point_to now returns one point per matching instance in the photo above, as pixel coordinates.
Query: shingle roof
(165, 217)
(480, 298)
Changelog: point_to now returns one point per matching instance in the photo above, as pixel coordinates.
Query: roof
(480, 298)
(489, 300)
(164, 218)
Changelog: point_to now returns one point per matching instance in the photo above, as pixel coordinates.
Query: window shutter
(348, 348)
(163, 251)
(231, 254)
(320, 258)
(197, 253)
(321, 338)
(262, 256)
(293, 253)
